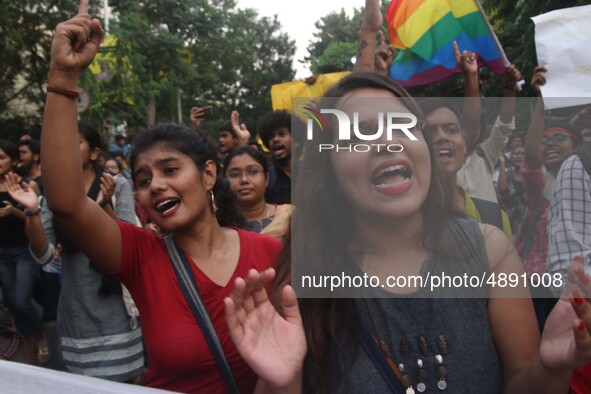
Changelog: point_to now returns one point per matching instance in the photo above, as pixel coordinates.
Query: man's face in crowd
(227, 142)
(515, 142)
(25, 156)
(280, 144)
(121, 142)
(586, 135)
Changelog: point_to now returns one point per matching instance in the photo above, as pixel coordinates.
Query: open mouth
(394, 175)
(167, 206)
(278, 148)
(551, 152)
(445, 153)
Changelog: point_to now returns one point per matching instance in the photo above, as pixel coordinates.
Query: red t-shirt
(581, 380)
(178, 356)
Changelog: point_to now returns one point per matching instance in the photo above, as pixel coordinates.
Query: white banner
(563, 46)
(18, 378)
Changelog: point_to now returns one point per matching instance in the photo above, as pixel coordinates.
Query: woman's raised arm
(74, 46)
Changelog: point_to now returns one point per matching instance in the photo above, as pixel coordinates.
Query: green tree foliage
(150, 65)
(332, 28)
(236, 67)
(215, 53)
(24, 49)
(336, 57)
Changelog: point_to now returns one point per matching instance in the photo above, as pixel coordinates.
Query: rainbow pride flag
(424, 32)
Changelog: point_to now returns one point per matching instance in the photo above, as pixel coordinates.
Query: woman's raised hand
(272, 345)
(108, 183)
(539, 79)
(566, 340)
(21, 193)
(384, 55)
(242, 133)
(75, 43)
(372, 16)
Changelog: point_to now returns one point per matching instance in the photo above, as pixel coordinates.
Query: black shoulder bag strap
(188, 285)
(490, 212)
(376, 356)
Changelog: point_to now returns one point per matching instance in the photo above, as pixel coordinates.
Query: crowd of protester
(87, 237)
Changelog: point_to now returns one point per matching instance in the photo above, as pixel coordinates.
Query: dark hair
(515, 136)
(271, 122)
(90, 134)
(93, 137)
(430, 104)
(187, 141)
(247, 150)
(33, 145)
(321, 231)
(255, 144)
(119, 137)
(228, 127)
(117, 154)
(10, 148)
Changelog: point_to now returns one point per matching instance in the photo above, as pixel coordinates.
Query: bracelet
(73, 94)
(32, 213)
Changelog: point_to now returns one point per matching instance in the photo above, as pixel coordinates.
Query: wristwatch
(34, 212)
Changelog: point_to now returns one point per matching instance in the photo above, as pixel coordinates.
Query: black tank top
(12, 229)
(470, 357)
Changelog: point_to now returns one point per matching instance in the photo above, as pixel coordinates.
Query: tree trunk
(152, 111)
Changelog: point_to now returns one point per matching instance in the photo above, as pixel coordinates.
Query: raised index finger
(83, 7)
(381, 37)
(457, 52)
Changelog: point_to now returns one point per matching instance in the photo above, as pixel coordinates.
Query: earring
(212, 205)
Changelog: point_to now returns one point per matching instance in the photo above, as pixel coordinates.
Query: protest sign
(562, 46)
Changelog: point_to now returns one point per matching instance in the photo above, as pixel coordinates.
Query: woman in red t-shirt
(175, 176)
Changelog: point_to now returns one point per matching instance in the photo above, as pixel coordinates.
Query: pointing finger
(83, 7)
(381, 37)
(457, 51)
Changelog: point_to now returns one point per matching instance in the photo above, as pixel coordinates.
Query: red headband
(553, 130)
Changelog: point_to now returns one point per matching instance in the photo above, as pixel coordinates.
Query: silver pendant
(421, 387)
(442, 385)
(410, 390)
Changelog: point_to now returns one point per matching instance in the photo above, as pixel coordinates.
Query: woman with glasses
(247, 171)
(113, 167)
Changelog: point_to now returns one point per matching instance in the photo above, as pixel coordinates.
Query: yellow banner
(282, 94)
